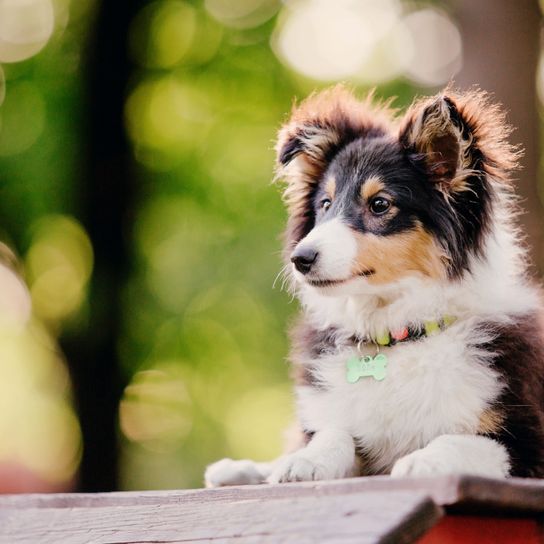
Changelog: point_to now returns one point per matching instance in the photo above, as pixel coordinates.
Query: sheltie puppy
(420, 348)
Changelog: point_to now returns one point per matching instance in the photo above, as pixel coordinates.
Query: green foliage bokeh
(204, 347)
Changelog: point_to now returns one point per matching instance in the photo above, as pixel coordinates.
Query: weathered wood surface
(456, 492)
(374, 509)
(368, 517)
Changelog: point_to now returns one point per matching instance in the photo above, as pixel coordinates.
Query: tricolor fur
(393, 223)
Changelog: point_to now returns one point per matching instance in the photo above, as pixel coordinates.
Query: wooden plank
(458, 493)
(362, 517)
(514, 496)
(445, 488)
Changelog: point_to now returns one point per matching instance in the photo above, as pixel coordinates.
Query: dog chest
(432, 386)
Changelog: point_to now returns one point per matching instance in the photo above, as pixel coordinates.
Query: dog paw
(230, 472)
(299, 468)
(456, 454)
(419, 463)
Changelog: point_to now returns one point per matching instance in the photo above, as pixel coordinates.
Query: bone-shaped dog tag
(363, 367)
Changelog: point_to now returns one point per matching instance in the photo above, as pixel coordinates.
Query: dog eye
(326, 204)
(379, 205)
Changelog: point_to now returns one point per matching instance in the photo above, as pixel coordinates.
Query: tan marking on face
(372, 186)
(490, 421)
(330, 188)
(411, 253)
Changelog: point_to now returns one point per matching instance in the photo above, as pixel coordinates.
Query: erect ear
(436, 130)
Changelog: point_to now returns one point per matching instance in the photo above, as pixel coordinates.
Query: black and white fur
(467, 400)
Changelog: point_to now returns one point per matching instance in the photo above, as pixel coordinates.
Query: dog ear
(303, 152)
(324, 123)
(318, 128)
(462, 138)
(312, 142)
(436, 131)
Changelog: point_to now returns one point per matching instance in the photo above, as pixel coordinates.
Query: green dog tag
(363, 367)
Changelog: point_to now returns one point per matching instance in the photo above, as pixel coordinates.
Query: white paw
(299, 467)
(230, 472)
(456, 454)
(420, 463)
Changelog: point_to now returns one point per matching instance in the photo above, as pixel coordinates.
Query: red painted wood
(483, 530)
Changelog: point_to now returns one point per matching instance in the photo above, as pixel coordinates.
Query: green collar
(411, 332)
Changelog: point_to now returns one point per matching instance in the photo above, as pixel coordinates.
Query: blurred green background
(136, 159)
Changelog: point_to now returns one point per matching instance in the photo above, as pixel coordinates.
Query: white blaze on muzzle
(336, 247)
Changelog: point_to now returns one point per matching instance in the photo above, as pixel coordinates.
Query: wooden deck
(364, 510)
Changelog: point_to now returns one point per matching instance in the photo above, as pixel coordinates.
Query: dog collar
(376, 366)
(411, 332)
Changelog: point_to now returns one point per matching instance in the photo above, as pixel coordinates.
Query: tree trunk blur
(501, 41)
(106, 194)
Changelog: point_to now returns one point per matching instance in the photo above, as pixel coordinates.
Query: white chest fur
(436, 385)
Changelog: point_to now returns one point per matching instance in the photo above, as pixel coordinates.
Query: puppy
(420, 349)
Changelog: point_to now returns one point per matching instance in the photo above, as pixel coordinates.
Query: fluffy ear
(436, 131)
(326, 121)
(460, 136)
(317, 129)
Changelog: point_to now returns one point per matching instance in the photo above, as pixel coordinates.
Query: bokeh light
(367, 41)
(35, 408)
(22, 118)
(242, 13)
(437, 47)
(332, 40)
(15, 303)
(169, 28)
(59, 264)
(169, 33)
(25, 28)
(156, 409)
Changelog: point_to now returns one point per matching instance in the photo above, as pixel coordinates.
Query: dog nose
(303, 259)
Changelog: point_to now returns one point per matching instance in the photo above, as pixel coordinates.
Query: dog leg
(329, 455)
(231, 472)
(456, 454)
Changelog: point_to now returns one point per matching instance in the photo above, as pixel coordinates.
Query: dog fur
(408, 220)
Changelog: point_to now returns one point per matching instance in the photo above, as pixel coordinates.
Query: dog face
(371, 220)
(372, 202)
